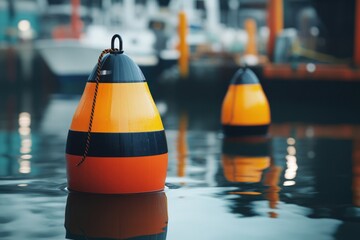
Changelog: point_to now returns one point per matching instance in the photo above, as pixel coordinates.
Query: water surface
(301, 182)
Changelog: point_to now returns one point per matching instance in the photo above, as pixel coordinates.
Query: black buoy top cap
(244, 76)
(117, 67)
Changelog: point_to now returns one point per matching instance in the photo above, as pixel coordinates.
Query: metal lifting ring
(120, 49)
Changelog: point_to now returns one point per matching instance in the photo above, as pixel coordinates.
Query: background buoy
(135, 216)
(245, 109)
(116, 143)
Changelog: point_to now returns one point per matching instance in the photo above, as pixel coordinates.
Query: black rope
(98, 73)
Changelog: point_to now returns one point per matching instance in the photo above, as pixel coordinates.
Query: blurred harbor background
(303, 181)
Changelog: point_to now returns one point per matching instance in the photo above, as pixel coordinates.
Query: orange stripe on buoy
(117, 174)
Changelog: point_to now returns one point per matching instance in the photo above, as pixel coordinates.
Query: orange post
(357, 34)
(183, 46)
(76, 24)
(250, 28)
(275, 23)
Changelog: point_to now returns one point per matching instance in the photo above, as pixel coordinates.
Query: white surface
(78, 57)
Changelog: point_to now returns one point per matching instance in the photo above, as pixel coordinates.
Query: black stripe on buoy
(134, 144)
(238, 131)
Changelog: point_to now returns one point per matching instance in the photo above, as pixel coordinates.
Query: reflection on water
(248, 161)
(244, 159)
(356, 173)
(182, 145)
(303, 182)
(306, 179)
(25, 142)
(92, 216)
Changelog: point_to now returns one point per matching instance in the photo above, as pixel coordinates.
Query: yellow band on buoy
(244, 105)
(130, 104)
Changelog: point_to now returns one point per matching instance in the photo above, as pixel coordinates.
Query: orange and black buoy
(133, 216)
(116, 143)
(245, 109)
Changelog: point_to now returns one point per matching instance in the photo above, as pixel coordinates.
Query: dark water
(302, 182)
